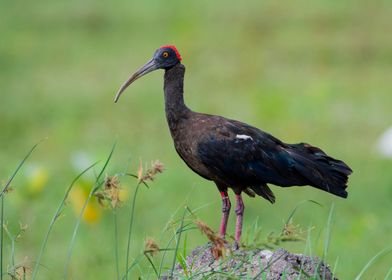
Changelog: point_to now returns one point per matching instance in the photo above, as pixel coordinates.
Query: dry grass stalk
(151, 246)
(219, 248)
(156, 167)
(20, 271)
(111, 192)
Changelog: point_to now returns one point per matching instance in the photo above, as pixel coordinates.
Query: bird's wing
(244, 155)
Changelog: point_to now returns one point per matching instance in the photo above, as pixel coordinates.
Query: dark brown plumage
(236, 155)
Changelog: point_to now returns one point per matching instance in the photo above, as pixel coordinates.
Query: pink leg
(226, 205)
(239, 210)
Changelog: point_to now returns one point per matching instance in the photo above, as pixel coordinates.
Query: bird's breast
(186, 141)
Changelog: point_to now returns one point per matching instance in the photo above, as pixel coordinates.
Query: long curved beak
(145, 69)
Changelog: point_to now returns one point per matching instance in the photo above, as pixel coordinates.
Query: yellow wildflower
(78, 197)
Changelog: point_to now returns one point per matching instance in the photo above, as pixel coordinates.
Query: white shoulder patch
(243, 137)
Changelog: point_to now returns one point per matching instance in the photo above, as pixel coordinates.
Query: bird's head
(164, 58)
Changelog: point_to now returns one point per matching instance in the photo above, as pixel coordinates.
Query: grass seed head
(219, 249)
(111, 192)
(112, 182)
(151, 246)
(291, 230)
(156, 167)
(21, 271)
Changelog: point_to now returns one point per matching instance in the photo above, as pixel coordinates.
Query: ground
(251, 264)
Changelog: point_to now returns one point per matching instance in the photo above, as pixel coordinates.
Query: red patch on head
(173, 47)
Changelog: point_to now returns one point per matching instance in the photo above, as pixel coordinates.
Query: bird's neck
(175, 108)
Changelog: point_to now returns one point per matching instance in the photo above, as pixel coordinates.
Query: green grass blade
(327, 236)
(12, 255)
(184, 251)
(389, 273)
(335, 266)
(152, 264)
(297, 207)
(18, 168)
(372, 261)
(164, 255)
(3, 191)
(132, 214)
(192, 212)
(1, 237)
(178, 243)
(328, 233)
(135, 262)
(116, 243)
(54, 218)
(77, 223)
(106, 163)
(130, 230)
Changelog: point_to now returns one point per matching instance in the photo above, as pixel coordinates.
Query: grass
(252, 238)
(54, 219)
(3, 192)
(132, 215)
(318, 73)
(93, 190)
(372, 261)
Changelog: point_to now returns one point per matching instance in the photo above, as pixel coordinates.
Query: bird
(233, 154)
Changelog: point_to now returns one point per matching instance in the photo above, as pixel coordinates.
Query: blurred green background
(318, 72)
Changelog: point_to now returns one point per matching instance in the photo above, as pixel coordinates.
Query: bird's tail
(320, 170)
(264, 191)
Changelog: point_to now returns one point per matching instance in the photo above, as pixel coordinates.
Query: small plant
(5, 190)
(290, 232)
(151, 172)
(143, 178)
(219, 248)
(108, 191)
(111, 192)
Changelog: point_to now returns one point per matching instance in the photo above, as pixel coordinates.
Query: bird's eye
(165, 54)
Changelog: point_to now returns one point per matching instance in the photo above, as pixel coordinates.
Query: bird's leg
(226, 205)
(239, 211)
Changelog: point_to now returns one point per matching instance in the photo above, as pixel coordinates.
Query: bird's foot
(236, 246)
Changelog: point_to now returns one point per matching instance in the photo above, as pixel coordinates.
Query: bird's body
(239, 156)
(234, 154)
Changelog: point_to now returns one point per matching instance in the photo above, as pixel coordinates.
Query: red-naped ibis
(234, 154)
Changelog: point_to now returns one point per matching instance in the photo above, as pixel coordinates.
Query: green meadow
(316, 72)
